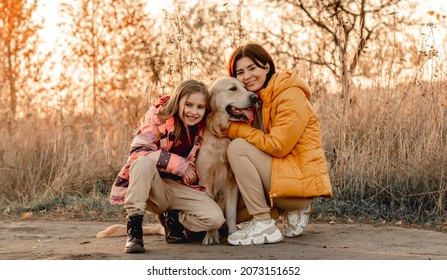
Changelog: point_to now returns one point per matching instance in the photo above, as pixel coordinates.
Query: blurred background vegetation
(68, 108)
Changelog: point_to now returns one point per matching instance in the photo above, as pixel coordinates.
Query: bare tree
(106, 40)
(196, 40)
(18, 47)
(334, 33)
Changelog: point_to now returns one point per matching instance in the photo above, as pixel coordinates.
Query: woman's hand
(238, 130)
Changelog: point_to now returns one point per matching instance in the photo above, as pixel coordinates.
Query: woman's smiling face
(250, 74)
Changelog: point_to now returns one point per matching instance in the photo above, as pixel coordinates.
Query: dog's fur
(120, 230)
(229, 101)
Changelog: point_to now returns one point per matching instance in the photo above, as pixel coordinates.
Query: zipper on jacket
(272, 195)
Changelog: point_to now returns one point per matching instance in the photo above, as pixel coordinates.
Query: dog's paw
(211, 237)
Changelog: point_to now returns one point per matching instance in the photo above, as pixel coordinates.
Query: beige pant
(147, 190)
(252, 169)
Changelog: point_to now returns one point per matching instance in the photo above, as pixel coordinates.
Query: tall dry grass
(387, 152)
(386, 144)
(46, 158)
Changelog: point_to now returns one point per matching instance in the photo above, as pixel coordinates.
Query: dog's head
(229, 98)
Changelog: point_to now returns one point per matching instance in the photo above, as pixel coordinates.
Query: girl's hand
(190, 176)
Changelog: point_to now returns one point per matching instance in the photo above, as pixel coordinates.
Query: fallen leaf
(332, 223)
(398, 223)
(27, 215)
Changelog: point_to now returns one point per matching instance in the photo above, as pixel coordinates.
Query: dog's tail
(121, 230)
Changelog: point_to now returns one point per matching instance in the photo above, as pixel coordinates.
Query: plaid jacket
(154, 136)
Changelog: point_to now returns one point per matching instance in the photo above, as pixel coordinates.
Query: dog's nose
(253, 98)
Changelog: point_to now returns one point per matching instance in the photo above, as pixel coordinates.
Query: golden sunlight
(155, 7)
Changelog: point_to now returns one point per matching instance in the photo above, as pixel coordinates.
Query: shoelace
(245, 230)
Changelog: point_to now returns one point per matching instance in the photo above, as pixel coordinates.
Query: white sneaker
(296, 222)
(256, 233)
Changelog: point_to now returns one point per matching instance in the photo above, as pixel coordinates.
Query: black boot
(175, 232)
(134, 242)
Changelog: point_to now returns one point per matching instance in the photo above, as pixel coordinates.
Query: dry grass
(387, 152)
(45, 157)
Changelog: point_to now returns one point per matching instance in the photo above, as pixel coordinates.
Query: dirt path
(73, 240)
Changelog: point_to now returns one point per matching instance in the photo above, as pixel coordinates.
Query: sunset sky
(49, 10)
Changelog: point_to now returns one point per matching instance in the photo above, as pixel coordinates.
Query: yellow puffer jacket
(299, 167)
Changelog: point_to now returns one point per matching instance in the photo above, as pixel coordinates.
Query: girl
(281, 157)
(160, 173)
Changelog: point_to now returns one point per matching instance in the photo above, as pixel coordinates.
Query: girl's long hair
(171, 108)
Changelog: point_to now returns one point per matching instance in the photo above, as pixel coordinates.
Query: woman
(280, 161)
(160, 174)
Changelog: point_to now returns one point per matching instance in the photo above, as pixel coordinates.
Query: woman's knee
(236, 146)
(292, 203)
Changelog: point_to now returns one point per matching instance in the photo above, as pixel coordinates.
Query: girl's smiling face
(192, 108)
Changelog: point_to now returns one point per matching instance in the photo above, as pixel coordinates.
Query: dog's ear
(217, 126)
(212, 98)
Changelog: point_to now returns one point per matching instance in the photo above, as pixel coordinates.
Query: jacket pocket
(294, 169)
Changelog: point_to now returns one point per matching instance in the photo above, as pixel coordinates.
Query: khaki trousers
(148, 191)
(252, 169)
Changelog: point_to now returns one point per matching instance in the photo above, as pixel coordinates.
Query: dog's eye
(233, 88)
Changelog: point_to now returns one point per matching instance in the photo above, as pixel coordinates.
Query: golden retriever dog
(230, 101)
